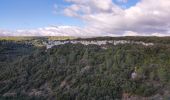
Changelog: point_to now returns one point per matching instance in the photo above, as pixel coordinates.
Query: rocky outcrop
(50, 44)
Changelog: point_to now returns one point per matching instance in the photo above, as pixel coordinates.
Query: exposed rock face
(9, 95)
(50, 44)
(83, 70)
(35, 92)
(134, 75)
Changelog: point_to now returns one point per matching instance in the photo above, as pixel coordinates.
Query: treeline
(162, 40)
(79, 72)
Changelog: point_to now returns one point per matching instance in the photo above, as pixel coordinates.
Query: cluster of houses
(50, 44)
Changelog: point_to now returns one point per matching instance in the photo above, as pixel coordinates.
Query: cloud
(54, 31)
(130, 33)
(122, 1)
(105, 18)
(46, 31)
(146, 17)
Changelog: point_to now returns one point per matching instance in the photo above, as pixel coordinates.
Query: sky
(84, 18)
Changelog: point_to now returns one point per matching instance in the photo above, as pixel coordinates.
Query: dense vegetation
(79, 72)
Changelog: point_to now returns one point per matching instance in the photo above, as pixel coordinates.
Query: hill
(85, 72)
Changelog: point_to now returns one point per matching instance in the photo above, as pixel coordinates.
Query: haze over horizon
(84, 18)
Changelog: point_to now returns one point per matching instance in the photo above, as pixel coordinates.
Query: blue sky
(29, 14)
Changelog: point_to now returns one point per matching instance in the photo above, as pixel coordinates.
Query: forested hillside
(85, 72)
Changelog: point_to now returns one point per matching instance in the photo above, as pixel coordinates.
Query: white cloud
(130, 33)
(159, 34)
(103, 17)
(122, 1)
(148, 17)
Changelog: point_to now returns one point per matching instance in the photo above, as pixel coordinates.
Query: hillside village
(49, 44)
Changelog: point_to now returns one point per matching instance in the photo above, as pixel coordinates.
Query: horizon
(88, 18)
